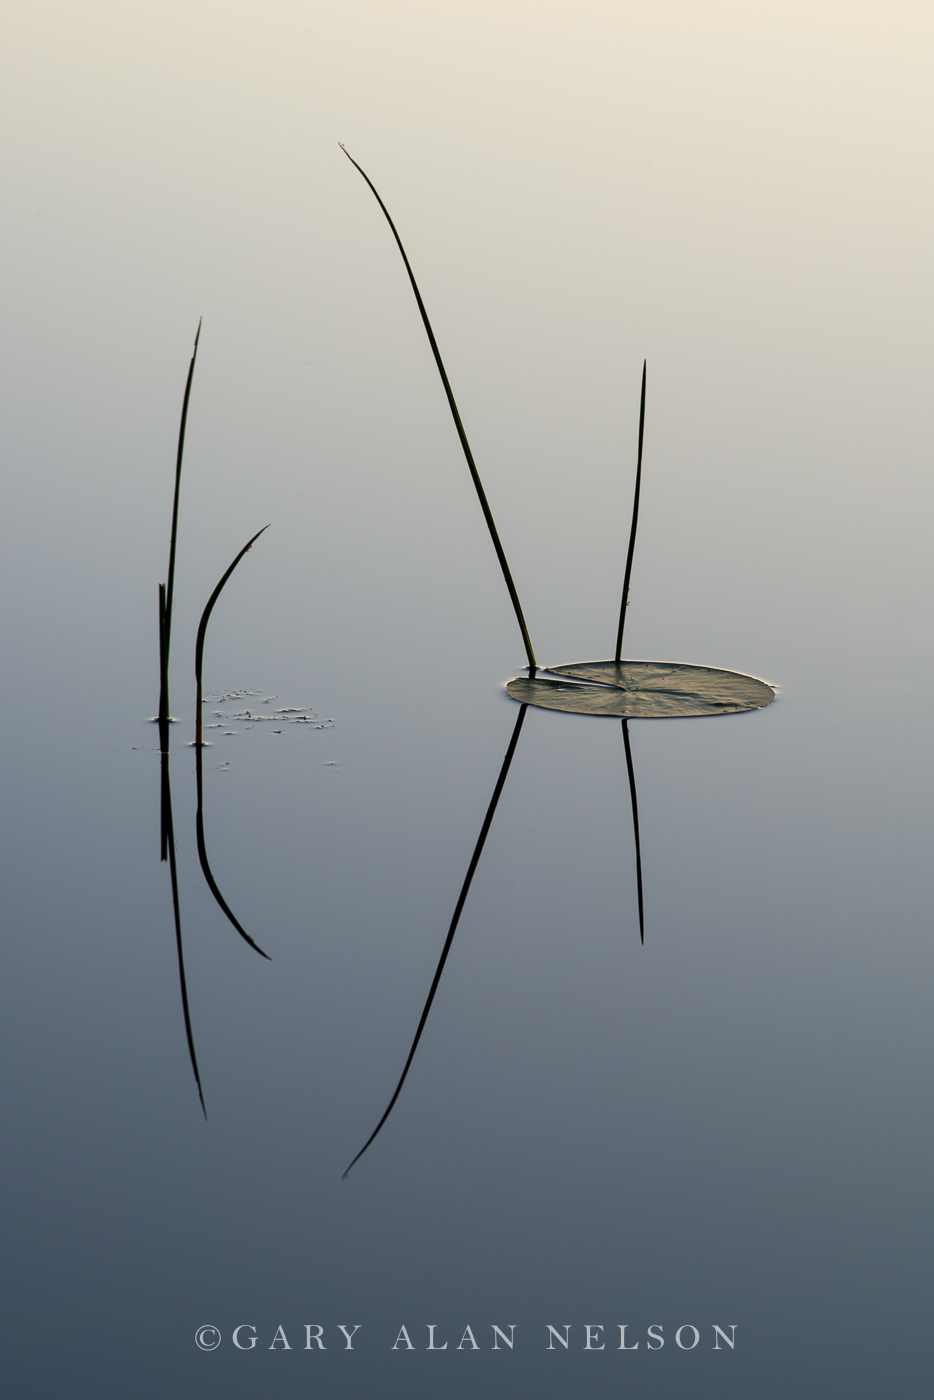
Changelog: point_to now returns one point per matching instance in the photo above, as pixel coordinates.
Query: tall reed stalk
(167, 589)
(475, 475)
(635, 521)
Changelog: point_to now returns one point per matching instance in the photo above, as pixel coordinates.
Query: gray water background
(729, 1125)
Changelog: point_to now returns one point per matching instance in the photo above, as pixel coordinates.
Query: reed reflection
(199, 747)
(462, 898)
(458, 910)
(635, 826)
(203, 857)
(168, 847)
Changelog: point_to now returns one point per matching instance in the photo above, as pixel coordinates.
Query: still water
(724, 1126)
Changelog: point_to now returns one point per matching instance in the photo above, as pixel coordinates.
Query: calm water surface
(729, 1125)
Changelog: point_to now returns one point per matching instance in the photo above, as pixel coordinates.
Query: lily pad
(641, 690)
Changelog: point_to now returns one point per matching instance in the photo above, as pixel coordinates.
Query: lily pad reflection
(642, 690)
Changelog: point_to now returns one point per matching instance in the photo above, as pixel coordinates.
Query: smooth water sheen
(725, 1125)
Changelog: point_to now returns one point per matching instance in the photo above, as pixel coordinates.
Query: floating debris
(220, 699)
(249, 717)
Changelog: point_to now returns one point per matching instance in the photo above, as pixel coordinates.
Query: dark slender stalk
(635, 522)
(163, 715)
(487, 513)
(163, 736)
(170, 582)
(635, 825)
(165, 812)
(203, 626)
(166, 628)
(206, 868)
(199, 744)
(170, 836)
(474, 861)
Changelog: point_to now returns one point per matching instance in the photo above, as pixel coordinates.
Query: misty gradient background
(730, 1125)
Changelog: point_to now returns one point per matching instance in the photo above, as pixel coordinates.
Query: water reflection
(462, 898)
(168, 851)
(458, 910)
(635, 826)
(203, 856)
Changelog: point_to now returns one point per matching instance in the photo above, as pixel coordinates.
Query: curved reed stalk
(203, 625)
(484, 504)
(199, 744)
(635, 521)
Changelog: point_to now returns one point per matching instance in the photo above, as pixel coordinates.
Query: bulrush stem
(475, 475)
(167, 590)
(203, 627)
(635, 522)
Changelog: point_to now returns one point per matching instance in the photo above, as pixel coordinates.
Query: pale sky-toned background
(739, 193)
